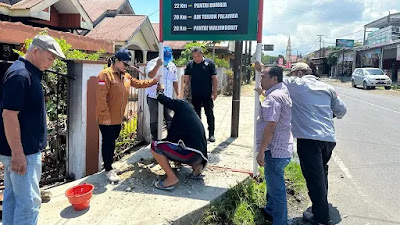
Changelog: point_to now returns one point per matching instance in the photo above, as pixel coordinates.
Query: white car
(370, 78)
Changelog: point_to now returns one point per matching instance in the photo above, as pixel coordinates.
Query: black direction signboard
(210, 19)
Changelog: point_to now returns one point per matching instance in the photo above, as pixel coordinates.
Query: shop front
(391, 61)
(371, 58)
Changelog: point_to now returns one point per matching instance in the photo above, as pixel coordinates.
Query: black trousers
(153, 108)
(314, 156)
(109, 135)
(208, 104)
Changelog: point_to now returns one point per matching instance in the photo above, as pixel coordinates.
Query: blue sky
(303, 20)
(146, 7)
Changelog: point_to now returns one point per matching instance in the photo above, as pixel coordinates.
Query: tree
(213, 43)
(332, 59)
(268, 59)
(186, 55)
(358, 44)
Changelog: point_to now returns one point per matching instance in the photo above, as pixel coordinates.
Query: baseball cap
(167, 54)
(124, 55)
(299, 67)
(48, 43)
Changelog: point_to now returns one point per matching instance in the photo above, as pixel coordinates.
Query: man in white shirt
(170, 83)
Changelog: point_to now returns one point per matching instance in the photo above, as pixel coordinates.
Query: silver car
(370, 78)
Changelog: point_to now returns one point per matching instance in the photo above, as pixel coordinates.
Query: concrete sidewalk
(135, 201)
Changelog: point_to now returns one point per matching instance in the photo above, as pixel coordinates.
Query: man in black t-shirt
(23, 130)
(202, 75)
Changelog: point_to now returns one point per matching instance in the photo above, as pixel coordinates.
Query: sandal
(160, 185)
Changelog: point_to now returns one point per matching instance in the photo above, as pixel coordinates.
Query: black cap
(124, 55)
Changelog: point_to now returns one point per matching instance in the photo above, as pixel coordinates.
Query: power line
(345, 35)
(312, 47)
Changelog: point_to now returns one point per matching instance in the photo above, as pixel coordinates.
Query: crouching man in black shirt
(185, 143)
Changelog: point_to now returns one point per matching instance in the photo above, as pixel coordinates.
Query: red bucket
(79, 196)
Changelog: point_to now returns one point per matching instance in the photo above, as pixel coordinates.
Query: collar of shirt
(171, 67)
(310, 77)
(204, 59)
(31, 68)
(277, 86)
(120, 74)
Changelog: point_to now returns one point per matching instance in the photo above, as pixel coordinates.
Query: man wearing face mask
(113, 88)
(170, 83)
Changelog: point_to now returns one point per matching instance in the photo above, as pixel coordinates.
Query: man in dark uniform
(202, 75)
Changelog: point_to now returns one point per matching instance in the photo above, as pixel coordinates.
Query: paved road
(365, 167)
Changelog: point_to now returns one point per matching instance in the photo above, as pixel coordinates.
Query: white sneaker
(112, 176)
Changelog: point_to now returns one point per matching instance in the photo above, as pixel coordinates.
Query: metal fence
(54, 157)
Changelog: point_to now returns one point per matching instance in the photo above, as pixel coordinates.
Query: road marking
(364, 196)
(391, 110)
(343, 167)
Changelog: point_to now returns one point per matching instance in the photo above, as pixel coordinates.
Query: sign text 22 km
(210, 19)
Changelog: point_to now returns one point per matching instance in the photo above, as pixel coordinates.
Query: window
(373, 72)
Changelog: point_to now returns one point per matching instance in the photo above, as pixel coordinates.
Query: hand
(213, 96)
(259, 90)
(160, 62)
(107, 122)
(260, 158)
(157, 78)
(258, 66)
(18, 163)
(160, 87)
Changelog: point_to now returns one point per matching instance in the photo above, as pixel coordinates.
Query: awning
(392, 19)
(17, 33)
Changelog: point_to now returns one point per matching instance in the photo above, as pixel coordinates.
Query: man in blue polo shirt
(23, 130)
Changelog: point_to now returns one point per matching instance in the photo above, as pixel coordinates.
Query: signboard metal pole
(257, 83)
(161, 56)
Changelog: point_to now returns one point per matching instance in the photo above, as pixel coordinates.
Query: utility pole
(236, 89)
(320, 45)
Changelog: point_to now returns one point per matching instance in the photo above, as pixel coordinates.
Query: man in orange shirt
(113, 88)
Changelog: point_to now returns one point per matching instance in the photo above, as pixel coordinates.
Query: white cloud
(304, 20)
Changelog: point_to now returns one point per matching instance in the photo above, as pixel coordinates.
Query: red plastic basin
(79, 196)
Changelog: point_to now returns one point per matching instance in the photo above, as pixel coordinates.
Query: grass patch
(396, 86)
(240, 205)
(295, 177)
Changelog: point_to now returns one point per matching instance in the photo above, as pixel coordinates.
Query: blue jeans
(276, 190)
(22, 194)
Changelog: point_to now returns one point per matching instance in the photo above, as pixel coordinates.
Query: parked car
(370, 78)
